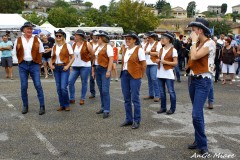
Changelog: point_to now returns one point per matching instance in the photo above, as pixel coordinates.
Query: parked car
(118, 44)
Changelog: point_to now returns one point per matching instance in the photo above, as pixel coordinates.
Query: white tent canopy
(118, 30)
(47, 26)
(11, 21)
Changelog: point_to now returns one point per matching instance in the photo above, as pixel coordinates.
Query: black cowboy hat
(102, 33)
(152, 34)
(27, 24)
(133, 35)
(170, 35)
(61, 32)
(94, 32)
(80, 32)
(201, 23)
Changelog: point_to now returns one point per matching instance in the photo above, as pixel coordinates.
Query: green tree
(103, 9)
(234, 15)
(63, 17)
(220, 27)
(160, 4)
(224, 8)
(61, 3)
(88, 4)
(11, 6)
(166, 11)
(91, 17)
(209, 14)
(35, 18)
(191, 8)
(133, 15)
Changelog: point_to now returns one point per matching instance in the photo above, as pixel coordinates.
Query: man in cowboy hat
(200, 68)
(29, 49)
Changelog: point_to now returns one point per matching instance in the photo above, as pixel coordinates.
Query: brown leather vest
(153, 49)
(201, 65)
(85, 54)
(64, 54)
(167, 57)
(134, 67)
(102, 57)
(36, 56)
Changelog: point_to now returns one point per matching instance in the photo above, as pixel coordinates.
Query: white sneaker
(237, 77)
(233, 80)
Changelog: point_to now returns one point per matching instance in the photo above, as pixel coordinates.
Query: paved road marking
(210, 116)
(40, 136)
(3, 136)
(43, 139)
(135, 146)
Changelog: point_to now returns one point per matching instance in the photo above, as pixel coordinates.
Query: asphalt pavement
(83, 135)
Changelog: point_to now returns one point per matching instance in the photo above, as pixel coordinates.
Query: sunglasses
(58, 36)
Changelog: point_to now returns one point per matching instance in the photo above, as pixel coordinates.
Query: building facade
(214, 9)
(179, 12)
(236, 9)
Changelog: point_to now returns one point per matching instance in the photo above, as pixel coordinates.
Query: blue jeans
(131, 89)
(199, 90)
(238, 68)
(103, 86)
(171, 91)
(92, 84)
(211, 95)
(34, 70)
(83, 72)
(177, 72)
(61, 78)
(153, 87)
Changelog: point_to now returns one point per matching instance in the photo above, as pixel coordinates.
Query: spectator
(178, 46)
(228, 56)
(217, 60)
(233, 42)
(115, 61)
(6, 58)
(41, 36)
(238, 58)
(72, 40)
(51, 39)
(187, 47)
(221, 40)
(47, 54)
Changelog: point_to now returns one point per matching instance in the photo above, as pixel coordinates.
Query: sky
(201, 4)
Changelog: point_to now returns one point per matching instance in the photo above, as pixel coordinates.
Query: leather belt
(197, 77)
(59, 64)
(27, 62)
